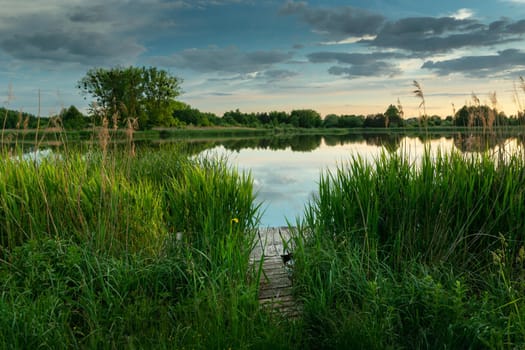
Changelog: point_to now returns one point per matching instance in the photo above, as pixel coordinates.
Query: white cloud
(463, 13)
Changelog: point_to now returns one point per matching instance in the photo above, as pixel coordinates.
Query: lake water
(286, 179)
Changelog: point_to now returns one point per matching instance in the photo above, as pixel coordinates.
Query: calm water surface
(285, 180)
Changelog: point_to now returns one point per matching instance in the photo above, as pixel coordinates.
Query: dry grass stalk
(419, 93)
(475, 112)
(400, 109)
(103, 136)
(491, 118)
(133, 124)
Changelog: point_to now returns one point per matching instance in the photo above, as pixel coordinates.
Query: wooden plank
(275, 289)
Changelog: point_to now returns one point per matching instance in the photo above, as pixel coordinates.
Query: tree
(461, 118)
(351, 121)
(143, 94)
(331, 121)
(73, 119)
(393, 117)
(375, 121)
(306, 118)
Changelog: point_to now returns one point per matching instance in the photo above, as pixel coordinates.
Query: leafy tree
(351, 121)
(375, 121)
(11, 119)
(393, 117)
(159, 91)
(479, 115)
(147, 94)
(306, 118)
(279, 118)
(73, 119)
(331, 121)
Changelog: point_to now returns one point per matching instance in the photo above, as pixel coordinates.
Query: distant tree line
(184, 115)
(145, 97)
(18, 119)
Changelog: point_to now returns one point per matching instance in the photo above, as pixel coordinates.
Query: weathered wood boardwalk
(275, 290)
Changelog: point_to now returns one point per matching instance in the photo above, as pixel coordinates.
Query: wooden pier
(275, 289)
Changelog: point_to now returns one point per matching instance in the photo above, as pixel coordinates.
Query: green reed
(403, 253)
(79, 198)
(104, 249)
(447, 207)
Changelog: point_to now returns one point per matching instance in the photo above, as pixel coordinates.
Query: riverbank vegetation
(116, 247)
(399, 254)
(104, 250)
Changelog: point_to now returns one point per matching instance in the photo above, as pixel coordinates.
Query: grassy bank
(405, 255)
(100, 249)
(103, 250)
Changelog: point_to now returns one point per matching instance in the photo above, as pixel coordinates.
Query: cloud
(72, 46)
(419, 35)
(463, 13)
(62, 31)
(336, 23)
(225, 60)
(373, 69)
(273, 75)
(426, 35)
(359, 64)
(479, 66)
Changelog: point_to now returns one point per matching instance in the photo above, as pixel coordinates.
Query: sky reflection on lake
(285, 180)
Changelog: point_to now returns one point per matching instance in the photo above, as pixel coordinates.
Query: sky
(342, 57)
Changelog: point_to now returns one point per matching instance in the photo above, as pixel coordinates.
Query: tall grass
(402, 254)
(134, 248)
(77, 198)
(104, 249)
(449, 207)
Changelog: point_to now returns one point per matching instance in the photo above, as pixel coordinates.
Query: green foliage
(446, 208)
(143, 94)
(87, 262)
(428, 254)
(17, 119)
(306, 118)
(192, 116)
(152, 251)
(375, 121)
(57, 294)
(200, 201)
(72, 119)
(79, 199)
(393, 117)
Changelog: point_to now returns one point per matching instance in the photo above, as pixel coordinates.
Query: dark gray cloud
(278, 74)
(79, 46)
(220, 94)
(337, 23)
(426, 35)
(351, 58)
(98, 32)
(204, 3)
(479, 66)
(225, 60)
(92, 33)
(372, 69)
(359, 64)
(89, 14)
(419, 35)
